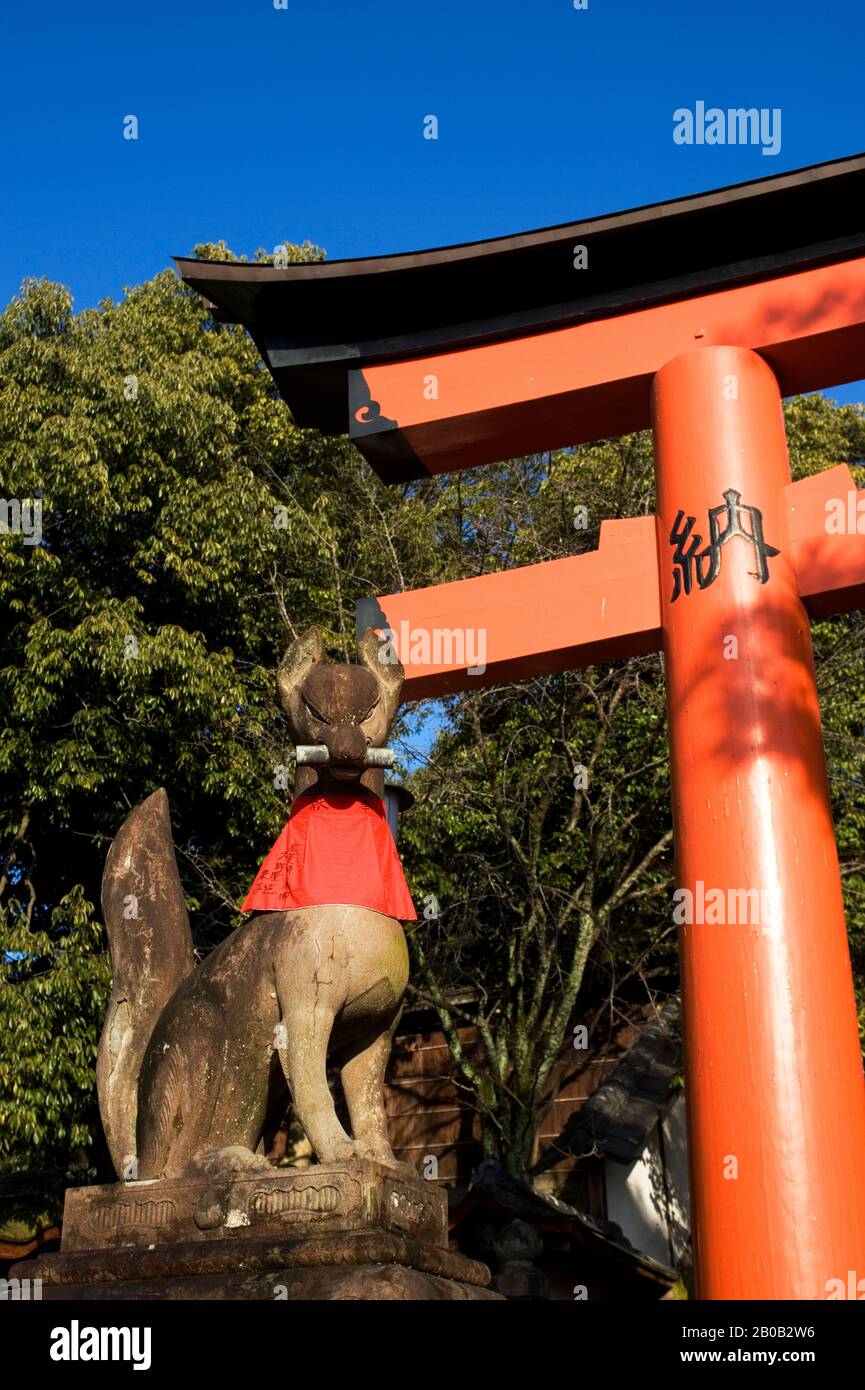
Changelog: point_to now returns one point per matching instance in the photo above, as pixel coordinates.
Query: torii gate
(449, 359)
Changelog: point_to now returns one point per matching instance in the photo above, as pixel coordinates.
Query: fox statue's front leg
(311, 984)
(342, 975)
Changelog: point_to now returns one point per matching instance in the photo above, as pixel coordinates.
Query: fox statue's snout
(196, 1062)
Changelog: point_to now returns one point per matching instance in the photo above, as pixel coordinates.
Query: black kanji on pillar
(690, 560)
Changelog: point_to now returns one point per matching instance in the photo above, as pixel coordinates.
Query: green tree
(189, 531)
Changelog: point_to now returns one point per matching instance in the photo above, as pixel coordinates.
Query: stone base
(329, 1198)
(338, 1231)
(328, 1268)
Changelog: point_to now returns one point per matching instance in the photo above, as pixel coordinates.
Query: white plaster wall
(655, 1220)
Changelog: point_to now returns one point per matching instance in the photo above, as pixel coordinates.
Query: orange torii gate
(448, 359)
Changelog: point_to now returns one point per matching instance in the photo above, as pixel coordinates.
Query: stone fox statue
(196, 1061)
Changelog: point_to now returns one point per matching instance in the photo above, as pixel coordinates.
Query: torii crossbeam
(758, 289)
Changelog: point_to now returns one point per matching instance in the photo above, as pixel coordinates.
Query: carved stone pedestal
(338, 1231)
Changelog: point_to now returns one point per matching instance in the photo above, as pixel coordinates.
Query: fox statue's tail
(151, 954)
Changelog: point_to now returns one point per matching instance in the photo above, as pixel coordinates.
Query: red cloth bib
(333, 849)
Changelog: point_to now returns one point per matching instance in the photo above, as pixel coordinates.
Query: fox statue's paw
(385, 1156)
(406, 1171)
(211, 1163)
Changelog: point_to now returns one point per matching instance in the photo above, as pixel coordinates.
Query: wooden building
(609, 1198)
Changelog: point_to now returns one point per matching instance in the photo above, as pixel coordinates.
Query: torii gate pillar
(776, 1105)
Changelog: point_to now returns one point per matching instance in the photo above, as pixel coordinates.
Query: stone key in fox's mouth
(309, 754)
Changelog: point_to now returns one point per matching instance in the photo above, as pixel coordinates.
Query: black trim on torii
(317, 324)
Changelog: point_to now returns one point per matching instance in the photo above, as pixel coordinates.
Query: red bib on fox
(333, 849)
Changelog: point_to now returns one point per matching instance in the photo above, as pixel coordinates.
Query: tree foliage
(189, 530)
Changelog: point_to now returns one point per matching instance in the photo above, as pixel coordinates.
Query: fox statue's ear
(304, 653)
(380, 659)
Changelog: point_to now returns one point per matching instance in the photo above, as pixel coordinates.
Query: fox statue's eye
(363, 717)
(311, 709)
